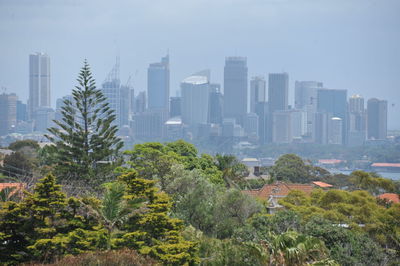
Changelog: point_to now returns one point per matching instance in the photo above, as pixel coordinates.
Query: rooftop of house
(322, 184)
(278, 189)
(393, 197)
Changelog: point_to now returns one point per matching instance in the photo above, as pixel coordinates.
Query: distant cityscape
(205, 111)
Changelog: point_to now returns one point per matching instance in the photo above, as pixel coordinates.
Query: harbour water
(390, 175)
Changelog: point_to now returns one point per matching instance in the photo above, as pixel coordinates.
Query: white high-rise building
(195, 91)
(39, 82)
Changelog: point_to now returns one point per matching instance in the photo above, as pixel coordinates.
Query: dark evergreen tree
(86, 141)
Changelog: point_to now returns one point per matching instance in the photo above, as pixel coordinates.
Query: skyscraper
(140, 103)
(306, 93)
(376, 119)
(357, 121)
(111, 89)
(235, 88)
(8, 113)
(39, 82)
(278, 91)
(215, 112)
(334, 102)
(175, 106)
(158, 85)
(306, 100)
(195, 91)
(257, 92)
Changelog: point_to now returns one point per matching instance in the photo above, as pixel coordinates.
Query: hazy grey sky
(347, 44)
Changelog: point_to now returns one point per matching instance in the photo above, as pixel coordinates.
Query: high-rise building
(334, 102)
(39, 83)
(175, 106)
(335, 130)
(125, 108)
(257, 92)
(44, 119)
(376, 119)
(22, 112)
(264, 124)
(235, 88)
(8, 113)
(195, 91)
(281, 127)
(278, 91)
(215, 112)
(306, 93)
(140, 103)
(158, 77)
(357, 121)
(251, 125)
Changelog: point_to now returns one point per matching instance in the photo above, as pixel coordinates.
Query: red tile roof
(19, 187)
(385, 165)
(278, 189)
(322, 184)
(390, 197)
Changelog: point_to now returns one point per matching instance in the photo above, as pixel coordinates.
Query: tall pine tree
(85, 135)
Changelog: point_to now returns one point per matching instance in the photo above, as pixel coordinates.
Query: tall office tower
(140, 103)
(215, 112)
(195, 91)
(335, 131)
(131, 104)
(125, 106)
(376, 119)
(264, 131)
(257, 92)
(251, 125)
(148, 125)
(298, 124)
(321, 127)
(44, 119)
(111, 89)
(356, 104)
(22, 112)
(175, 107)
(357, 121)
(281, 127)
(278, 91)
(8, 113)
(334, 102)
(158, 85)
(306, 93)
(39, 82)
(235, 88)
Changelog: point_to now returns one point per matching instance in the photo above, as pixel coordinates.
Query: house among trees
(274, 192)
(11, 189)
(390, 197)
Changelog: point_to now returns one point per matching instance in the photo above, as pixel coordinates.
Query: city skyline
(358, 52)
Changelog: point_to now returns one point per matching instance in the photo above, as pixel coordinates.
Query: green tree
(85, 135)
(290, 167)
(46, 224)
(292, 248)
(152, 232)
(233, 171)
(153, 161)
(17, 165)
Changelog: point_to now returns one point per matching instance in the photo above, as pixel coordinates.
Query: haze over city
(351, 45)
